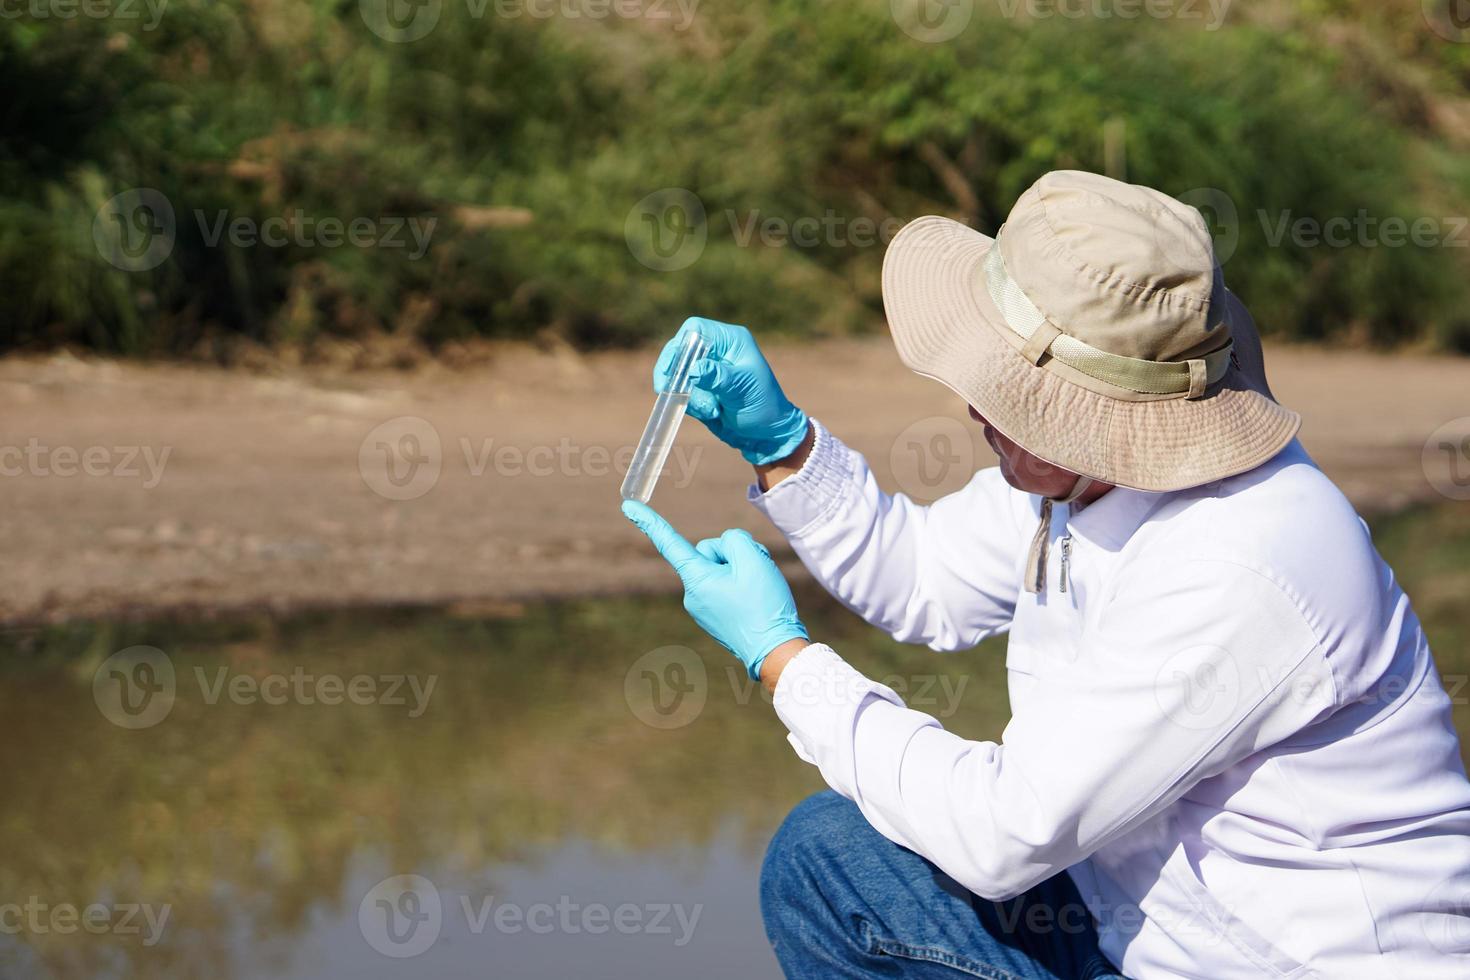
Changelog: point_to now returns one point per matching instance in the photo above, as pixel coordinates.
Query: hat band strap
(1186, 378)
(1041, 540)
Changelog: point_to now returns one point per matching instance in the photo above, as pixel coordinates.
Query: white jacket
(1228, 728)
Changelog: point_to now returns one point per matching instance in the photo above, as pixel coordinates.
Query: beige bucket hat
(1095, 330)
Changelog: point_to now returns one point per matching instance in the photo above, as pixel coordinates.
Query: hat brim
(946, 327)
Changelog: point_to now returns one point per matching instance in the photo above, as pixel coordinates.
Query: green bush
(527, 143)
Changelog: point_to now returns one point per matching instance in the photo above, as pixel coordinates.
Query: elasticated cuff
(800, 503)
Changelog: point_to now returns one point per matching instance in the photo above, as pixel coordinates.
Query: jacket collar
(1111, 520)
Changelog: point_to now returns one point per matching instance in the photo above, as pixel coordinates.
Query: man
(1230, 754)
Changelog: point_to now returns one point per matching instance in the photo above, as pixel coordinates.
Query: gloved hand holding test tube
(663, 424)
(732, 587)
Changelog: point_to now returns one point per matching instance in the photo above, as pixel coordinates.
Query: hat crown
(1123, 268)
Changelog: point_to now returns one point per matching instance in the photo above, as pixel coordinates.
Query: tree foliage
(529, 143)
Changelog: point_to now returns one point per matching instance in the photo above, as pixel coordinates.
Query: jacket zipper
(1065, 575)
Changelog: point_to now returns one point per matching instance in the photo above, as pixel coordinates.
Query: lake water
(579, 789)
(571, 790)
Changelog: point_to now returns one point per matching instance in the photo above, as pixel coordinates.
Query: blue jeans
(841, 900)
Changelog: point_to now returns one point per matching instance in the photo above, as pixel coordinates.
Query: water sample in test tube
(663, 424)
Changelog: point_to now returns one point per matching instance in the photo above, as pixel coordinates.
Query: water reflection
(560, 775)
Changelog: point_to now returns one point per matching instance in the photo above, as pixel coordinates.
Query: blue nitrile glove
(732, 588)
(735, 393)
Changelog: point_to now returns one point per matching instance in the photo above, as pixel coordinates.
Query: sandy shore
(130, 489)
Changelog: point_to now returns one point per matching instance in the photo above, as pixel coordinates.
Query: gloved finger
(707, 381)
(670, 543)
(721, 337)
(711, 549)
(713, 376)
(737, 543)
(703, 405)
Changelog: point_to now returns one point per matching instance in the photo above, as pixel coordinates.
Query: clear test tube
(663, 423)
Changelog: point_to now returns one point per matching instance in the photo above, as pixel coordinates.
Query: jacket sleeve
(1174, 684)
(945, 575)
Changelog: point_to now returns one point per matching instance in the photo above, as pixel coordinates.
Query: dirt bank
(129, 489)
